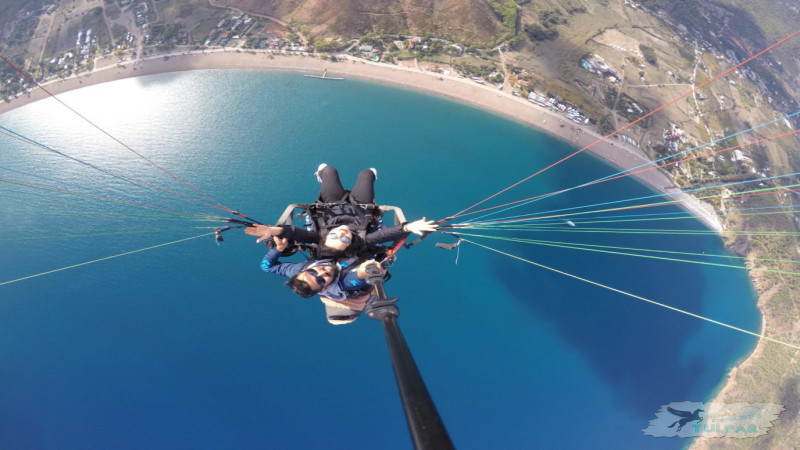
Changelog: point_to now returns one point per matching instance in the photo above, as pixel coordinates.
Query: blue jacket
(347, 285)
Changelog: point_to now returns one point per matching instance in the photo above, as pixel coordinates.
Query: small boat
(324, 76)
(570, 223)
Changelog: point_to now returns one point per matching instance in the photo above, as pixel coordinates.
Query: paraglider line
(140, 183)
(628, 125)
(637, 297)
(625, 174)
(103, 259)
(151, 162)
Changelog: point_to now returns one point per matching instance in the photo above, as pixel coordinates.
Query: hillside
(471, 21)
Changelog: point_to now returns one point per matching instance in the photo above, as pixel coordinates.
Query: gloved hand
(420, 226)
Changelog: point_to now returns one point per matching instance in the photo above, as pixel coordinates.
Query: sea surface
(191, 345)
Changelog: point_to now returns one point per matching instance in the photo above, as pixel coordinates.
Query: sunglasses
(335, 236)
(319, 279)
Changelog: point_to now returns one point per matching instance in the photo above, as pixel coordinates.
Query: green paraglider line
(642, 168)
(742, 194)
(627, 200)
(636, 218)
(637, 297)
(640, 231)
(613, 252)
(671, 102)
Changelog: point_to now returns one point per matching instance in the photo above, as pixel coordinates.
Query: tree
(551, 17)
(539, 33)
(326, 46)
(649, 54)
(605, 125)
(516, 41)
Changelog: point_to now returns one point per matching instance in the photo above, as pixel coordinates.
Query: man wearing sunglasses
(341, 284)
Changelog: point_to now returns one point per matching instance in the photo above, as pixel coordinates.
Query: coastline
(623, 156)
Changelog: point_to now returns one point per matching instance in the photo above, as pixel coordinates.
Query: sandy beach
(624, 156)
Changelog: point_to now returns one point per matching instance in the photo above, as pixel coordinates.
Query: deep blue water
(190, 345)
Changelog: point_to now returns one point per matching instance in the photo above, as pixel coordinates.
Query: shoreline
(486, 97)
(489, 98)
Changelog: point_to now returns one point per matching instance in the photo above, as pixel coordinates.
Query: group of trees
(471, 70)
(328, 45)
(649, 54)
(23, 31)
(540, 33)
(10, 80)
(507, 10)
(166, 33)
(549, 19)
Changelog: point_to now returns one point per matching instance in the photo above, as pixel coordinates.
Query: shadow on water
(634, 347)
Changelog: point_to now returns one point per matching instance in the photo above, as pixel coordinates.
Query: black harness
(361, 218)
(327, 216)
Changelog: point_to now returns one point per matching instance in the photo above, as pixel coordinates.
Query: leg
(364, 189)
(331, 190)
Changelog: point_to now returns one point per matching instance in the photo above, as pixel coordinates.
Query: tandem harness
(325, 216)
(320, 217)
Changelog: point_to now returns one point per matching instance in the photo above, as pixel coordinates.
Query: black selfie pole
(424, 423)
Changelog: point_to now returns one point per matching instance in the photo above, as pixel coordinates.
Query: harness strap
(320, 212)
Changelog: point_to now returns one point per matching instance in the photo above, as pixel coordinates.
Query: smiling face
(339, 238)
(318, 277)
(314, 279)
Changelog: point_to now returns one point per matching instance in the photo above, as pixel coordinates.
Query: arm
(396, 232)
(271, 264)
(299, 234)
(389, 234)
(357, 279)
(286, 231)
(352, 281)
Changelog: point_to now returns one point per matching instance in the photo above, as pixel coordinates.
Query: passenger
(341, 285)
(347, 223)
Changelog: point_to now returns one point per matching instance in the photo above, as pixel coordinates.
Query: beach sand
(623, 156)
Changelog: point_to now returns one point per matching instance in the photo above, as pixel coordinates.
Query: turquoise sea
(191, 345)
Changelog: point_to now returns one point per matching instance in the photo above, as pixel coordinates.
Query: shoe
(319, 169)
(375, 171)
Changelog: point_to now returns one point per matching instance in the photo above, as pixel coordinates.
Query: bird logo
(685, 417)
